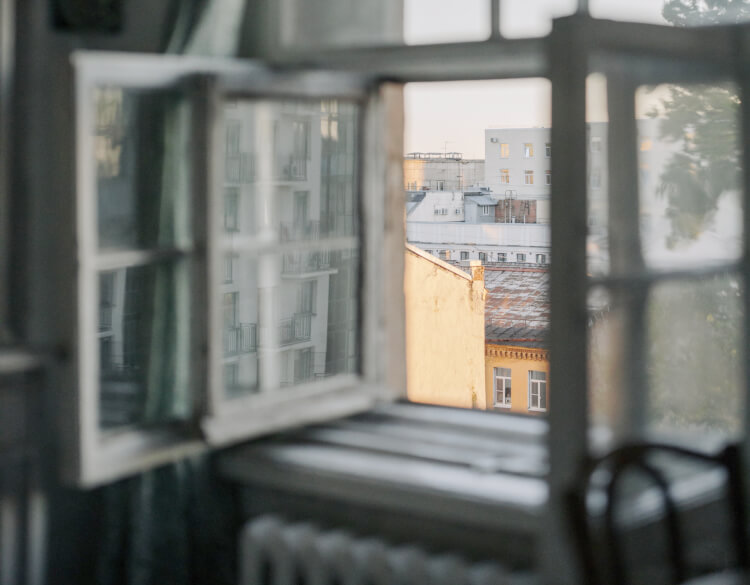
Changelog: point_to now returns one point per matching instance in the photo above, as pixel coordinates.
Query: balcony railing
(296, 329)
(291, 169)
(105, 318)
(307, 230)
(242, 338)
(239, 168)
(300, 262)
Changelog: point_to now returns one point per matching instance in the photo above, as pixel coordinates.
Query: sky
(449, 117)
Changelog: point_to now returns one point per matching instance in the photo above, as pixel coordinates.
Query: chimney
(477, 270)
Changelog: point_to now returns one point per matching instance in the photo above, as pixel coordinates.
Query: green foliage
(703, 12)
(705, 118)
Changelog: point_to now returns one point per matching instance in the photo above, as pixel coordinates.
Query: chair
(609, 567)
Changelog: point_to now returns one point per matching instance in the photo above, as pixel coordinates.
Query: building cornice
(510, 351)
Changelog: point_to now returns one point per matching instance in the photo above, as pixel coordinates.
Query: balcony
(295, 330)
(239, 168)
(290, 169)
(292, 232)
(304, 262)
(105, 317)
(239, 339)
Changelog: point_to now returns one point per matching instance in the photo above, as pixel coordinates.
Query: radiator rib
(273, 552)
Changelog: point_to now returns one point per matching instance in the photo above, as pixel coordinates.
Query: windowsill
(503, 406)
(537, 409)
(475, 469)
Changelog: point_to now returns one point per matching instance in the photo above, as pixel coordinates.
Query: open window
(222, 229)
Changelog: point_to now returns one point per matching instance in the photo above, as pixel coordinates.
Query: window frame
(528, 177)
(504, 150)
(505, 378)
(528, 150)
(537, 387)
(93, 456)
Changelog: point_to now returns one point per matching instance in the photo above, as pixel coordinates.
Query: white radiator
(274, 552)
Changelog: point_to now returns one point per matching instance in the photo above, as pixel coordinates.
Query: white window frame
(528, 177)
(505, 176)
(505, 381)
(520, 257)
(536, 387)
(548, 149)
(547, 177)
(504, 150)
(464, 255)
(486, 209)
(528, 150)
(94, 456)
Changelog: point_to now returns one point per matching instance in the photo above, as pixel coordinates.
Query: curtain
(176, 524)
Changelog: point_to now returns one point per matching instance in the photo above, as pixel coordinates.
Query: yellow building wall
(444, 332)
(413, 173)
(521, 361)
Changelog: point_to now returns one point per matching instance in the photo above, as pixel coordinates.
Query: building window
(229, 268)
(528, 177)
(548, 177)
(482, 256)
(486, 209)
(502, 257)
(306, 299)
(458, 211)
(548, 150)
(443, 254)
(528, 150)
(596, 179)
(231, 209)
(464, 255)
(596, 144)
(541, 258)
(504, 150)
(505, 176)
(537, 390)
(502, 387)
(439, 185)
(520, 257)
(444, 211)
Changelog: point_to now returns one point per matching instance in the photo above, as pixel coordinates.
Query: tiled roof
(517, 306)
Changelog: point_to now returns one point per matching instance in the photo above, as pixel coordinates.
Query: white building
(517, 162)
(435, 206)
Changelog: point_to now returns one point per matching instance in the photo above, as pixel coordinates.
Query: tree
(705, 118)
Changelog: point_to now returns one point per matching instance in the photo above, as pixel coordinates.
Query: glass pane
(302, 188)
(318, 312)
(294, 290)
(597, 185)
(694, 356)
(532, 18)
(144, 344)
(142, 154)
(445, 21)
(689, 174)
(239, 325)
(672, 12)
(667, 360)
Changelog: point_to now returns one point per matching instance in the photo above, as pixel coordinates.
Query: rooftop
(517, 306)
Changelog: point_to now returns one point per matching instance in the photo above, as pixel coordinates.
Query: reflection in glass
(289, 301)
(144, 344)
(141, 146)
(312, 170)
(689, 175)
(239, 325)
(685, 372)
(694, 356)
(318, 320)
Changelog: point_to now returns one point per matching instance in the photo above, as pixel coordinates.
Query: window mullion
(744, 84)
(568, 418)
(626, 258)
